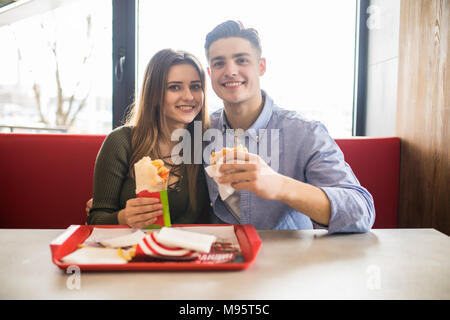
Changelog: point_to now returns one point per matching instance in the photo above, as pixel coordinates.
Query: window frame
(361, 63)
(124, 46)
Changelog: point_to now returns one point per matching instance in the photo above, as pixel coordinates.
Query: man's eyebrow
(236, 55)
(218, 58)
(242, 54)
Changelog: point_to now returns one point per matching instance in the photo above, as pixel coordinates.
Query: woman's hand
(140, 212)
(88, 206)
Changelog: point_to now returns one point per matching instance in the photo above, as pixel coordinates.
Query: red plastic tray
(68, 242)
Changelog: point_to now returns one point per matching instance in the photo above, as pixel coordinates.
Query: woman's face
(184, 96)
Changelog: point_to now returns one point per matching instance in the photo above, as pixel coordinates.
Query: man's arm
(256, 176)
(307, 199)
(331, 197)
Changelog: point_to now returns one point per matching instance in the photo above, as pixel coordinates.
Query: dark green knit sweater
(113, 185)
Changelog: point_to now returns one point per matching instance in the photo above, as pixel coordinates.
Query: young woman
(172, 97)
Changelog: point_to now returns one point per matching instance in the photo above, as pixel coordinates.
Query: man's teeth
(232, 84)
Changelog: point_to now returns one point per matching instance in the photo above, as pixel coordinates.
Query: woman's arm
(112, 187)
(111, 170)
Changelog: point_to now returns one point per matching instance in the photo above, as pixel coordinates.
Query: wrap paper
(150, 185)
(164, 219)
(216, 160)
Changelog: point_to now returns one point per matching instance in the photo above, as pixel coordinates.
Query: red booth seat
(46, 179)
(376, 164)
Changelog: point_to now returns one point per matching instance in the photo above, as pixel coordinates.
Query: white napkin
(225, 189)
(222, 233)
(124, 241)
(100, 234)
(185, 239)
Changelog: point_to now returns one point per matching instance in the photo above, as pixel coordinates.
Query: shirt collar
(261, 122)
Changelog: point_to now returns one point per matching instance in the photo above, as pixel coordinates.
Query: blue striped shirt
(303, 150)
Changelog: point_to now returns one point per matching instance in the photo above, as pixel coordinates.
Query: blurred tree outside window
(56, 70)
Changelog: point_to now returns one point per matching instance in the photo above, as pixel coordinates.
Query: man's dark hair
(232, 28)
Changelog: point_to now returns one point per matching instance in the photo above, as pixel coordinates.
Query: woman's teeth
(185, 108)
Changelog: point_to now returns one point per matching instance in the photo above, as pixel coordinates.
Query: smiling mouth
(233, 84)
(185, 108)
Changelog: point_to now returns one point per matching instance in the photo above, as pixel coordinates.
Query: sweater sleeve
(111, 170)
(352, 207)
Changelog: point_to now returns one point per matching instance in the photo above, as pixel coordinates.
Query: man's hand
(140, 212)
(253, 174)
(249, 172)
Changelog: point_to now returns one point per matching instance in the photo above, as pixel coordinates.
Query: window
(56, 70)
(309, 47)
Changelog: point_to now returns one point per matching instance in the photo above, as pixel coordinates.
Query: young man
(311, 183)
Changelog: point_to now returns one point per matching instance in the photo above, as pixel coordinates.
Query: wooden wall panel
(423, 114)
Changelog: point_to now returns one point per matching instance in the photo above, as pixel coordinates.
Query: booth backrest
(46, 179)
(376, 164)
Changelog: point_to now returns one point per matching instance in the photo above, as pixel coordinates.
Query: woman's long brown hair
(147, 116)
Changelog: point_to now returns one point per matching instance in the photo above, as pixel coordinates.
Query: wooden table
(308, 264)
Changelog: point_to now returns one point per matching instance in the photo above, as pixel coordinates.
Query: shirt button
(211, 204)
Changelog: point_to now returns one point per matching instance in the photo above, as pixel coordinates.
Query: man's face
(235, 67)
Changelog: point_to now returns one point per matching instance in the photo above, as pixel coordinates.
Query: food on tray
(166, 244)
(127, 254)
(192, 244)
(151, 175)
